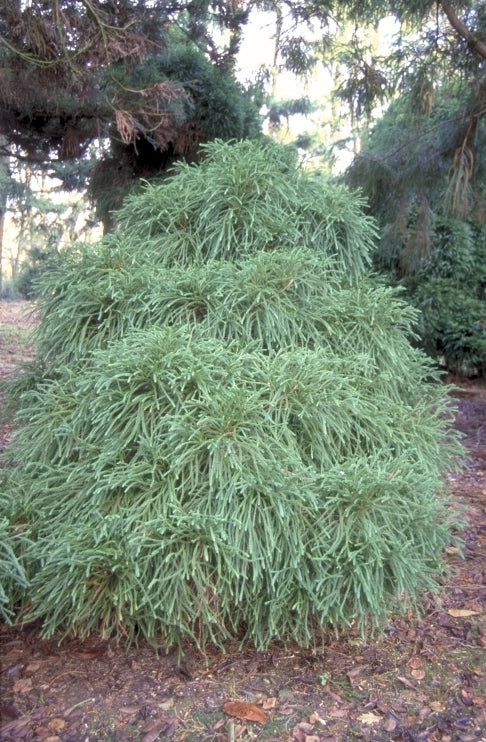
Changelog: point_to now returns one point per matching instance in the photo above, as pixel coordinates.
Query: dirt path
(424, 680)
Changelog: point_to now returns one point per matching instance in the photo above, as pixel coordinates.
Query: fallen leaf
(247, 711)
(415, 662)
(155, 729)
(152, 736)
(16, 728)
(57, 725)
(335, 696)
(369, 718)
(452, 550)
(305, 727)
(166, 705)
(418, 674)
(462, 613)
(269, 703)
(171, 729)
(354, 673)
(338, 713)
(24, 685)
(390, 724)
(32, 667)
(424, 713)
(41, 713)
(436, 706)
(8, 712)
(298, 734)
(314, 718)
(467, 698)
(239, 730)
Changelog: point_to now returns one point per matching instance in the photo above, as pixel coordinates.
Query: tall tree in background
(4, 181)
(424, 173)
(147, 75)
(432, 40)
(150, 81)
(146, 81)
(437, 43)
(422, 168)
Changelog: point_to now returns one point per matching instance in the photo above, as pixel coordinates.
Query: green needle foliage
(233, 435)
(13, 580)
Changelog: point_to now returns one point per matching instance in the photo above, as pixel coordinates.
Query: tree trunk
(4, 175)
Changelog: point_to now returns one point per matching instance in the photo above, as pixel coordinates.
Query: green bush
(444, 275)
(39, 260)
(452, 325)
(234, 436)
(9, 291)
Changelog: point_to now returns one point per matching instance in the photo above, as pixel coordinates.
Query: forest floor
(424, 679)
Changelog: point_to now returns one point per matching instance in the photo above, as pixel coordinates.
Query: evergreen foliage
(448, 285)
(101, 94)
(37, 261)
(433, 238)
(190, 101)
(13, 580)
(233, 435)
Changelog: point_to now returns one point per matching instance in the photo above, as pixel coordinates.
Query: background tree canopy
(148, 82)
(105, 93)
(74, 71)
(424, 178)
(142, 80)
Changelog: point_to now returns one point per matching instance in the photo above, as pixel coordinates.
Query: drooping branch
(474, 42)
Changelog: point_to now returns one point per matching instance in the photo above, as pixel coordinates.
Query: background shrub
(444, 277)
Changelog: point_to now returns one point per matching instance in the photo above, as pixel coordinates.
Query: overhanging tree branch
(474, 42)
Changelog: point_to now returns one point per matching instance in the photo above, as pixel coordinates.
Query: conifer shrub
(443, 274)
(233, 435)
(433, 239)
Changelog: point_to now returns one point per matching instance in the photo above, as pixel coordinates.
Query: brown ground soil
(424, 679)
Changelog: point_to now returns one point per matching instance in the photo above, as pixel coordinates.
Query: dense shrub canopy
(228, 433)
